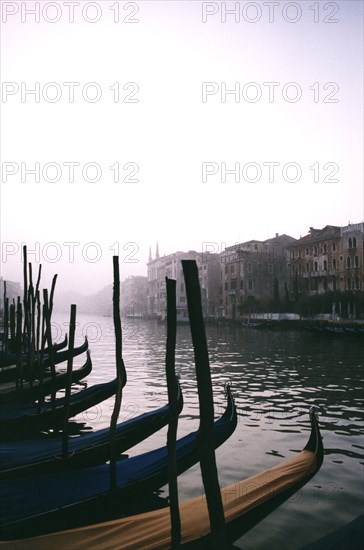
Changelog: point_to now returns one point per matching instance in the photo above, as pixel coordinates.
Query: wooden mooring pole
(71, 346)
(173, 419)
(120, 372)
(205, 394)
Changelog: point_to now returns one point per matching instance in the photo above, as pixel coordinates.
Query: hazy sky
(147, 99)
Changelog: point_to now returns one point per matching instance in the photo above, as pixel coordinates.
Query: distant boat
(251, 324)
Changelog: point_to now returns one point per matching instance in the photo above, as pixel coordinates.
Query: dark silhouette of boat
(33, 390)
(45, 455)
(54, 501)
(245, 503)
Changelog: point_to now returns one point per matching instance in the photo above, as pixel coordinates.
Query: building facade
(327, 259)
(170, 266)
(252, 273)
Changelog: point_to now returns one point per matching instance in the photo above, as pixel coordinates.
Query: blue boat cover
(27, 497)
(20, 453)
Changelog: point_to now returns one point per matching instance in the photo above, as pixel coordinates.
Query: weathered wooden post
(206, 431)
(120, 372)
(71, 345)
(6, 322)
(48, 339)
(19, 332)
(173, 422)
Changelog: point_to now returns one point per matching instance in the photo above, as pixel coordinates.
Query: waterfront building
(171, 266)
(327, 259)
(253, 274)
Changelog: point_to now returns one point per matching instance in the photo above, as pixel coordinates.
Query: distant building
(253, 272)
(352, 237)
(13, 290)
(133, 296)
(326, 259)
(170, 266)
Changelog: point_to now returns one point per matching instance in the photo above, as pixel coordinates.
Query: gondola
(245, 503)
(10, 393)
(82, 496)
(44, 455)
(9, 358)
(18, 420)
(10, 372)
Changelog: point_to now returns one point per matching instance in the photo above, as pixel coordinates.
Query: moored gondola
(11, 393)
(246, 503)
(18, 420)
(82, 496)
(10, 372)
(44, 455)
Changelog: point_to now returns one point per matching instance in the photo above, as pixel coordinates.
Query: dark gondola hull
(32, 457)
(152, 530)
(9, 372)
(32, 392)
(81, 497)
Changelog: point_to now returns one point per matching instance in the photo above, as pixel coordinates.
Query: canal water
(275, 376)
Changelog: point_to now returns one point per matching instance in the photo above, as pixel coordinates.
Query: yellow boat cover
(151, 530)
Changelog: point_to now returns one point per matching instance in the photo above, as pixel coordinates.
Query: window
(356, 261)
(233, 285)
(325, 265)
(226, 269)
(354, 242)
(325, 249)
(241, 284)
(348, 262)
(307, 268)
(182, 299)
(334, 283)
(182, 287)
(350, 243)
(349, 284)
(250, 284)
(226, 286)
(325, 284)
(334, 264)
(315, 266)
(250, 267)
(315, 250)
(357, 283)
(307, 252)
(333, 247)
(232, 268)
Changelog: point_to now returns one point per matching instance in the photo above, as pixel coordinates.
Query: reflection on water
(276, 376)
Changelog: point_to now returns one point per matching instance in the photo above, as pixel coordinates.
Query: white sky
(170, 132)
